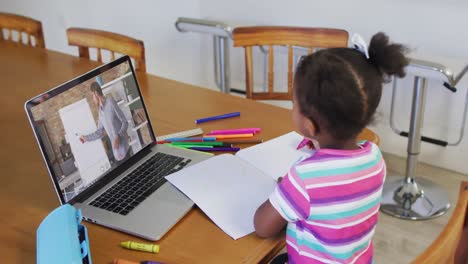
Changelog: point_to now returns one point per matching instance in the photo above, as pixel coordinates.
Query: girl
(330, 200)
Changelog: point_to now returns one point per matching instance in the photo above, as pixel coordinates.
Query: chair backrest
(103, 40)
(451, 246)
(27, 29)
(310, 38)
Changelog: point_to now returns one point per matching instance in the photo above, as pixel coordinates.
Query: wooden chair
(309, 38)
(25, 26)
(451, 246)
(91, 38)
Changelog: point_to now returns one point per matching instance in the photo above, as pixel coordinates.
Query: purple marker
(211, 118)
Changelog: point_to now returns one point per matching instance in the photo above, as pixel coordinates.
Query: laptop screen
(90, 125)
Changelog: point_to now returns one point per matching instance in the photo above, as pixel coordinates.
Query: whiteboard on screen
(90, 157)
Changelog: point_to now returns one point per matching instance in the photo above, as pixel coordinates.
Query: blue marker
(202, 120)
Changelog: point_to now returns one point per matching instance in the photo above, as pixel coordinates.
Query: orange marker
(123, 261)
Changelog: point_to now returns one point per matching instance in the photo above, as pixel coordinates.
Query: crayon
(153, 248)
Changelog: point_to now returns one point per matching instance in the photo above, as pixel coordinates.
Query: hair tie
(360, 45)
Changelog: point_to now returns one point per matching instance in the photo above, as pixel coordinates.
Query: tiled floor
(399, 241)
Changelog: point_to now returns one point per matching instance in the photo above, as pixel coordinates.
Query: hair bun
(388, 58)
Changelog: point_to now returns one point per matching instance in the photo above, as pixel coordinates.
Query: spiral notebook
(229, 188)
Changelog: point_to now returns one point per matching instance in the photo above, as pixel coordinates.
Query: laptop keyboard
(134, 188)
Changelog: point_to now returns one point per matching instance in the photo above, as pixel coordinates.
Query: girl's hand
(279, 179)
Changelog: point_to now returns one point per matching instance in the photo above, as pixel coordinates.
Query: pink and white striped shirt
(331, 201)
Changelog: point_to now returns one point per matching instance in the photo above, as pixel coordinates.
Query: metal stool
(405, 197)
(221, 35)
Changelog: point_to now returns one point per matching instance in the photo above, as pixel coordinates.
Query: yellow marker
(153, 248)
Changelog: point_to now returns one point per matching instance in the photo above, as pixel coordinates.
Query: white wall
(168, 53)
(434, 30)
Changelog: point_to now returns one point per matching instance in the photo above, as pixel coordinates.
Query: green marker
(189, 146)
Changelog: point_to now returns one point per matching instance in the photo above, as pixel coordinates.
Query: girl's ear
(310, 127)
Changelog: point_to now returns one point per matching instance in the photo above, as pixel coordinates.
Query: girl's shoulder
(324, 163)
(333, 156)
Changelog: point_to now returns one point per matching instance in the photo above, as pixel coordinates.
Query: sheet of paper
(275, 156)
(228, 189)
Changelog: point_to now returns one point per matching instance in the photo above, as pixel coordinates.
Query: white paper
(228, 189)
(276, 156)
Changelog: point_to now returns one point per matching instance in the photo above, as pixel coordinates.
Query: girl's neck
(330, 143)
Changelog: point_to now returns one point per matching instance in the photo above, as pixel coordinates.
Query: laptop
(100, 149)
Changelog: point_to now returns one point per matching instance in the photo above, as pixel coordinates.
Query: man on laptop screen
(111, 122)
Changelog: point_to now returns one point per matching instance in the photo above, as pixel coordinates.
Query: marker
(235, 131)
(123, 261)
(303, 143)
(212, 118)
(215, 149)
(153, 248)
(168, 141)
(188, 149)
(190, 146)
(197, 139)
(246, 141)
(207, 143)
(233, 136)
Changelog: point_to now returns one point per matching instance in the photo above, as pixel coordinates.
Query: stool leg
(222, 66)
(404, 197)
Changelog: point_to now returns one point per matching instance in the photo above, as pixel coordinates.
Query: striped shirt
(331, 201)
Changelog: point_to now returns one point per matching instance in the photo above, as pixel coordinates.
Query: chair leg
(405, 197)
(280, 259)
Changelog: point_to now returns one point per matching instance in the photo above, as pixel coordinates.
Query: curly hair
(339, 89)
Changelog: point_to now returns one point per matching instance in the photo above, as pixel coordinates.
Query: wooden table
(27, 194)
